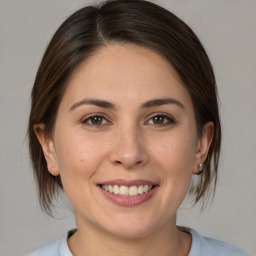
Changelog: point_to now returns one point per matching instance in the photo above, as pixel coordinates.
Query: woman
(124, 111)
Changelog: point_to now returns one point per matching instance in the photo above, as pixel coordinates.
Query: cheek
(78, 159)
(78, 156)
(175, 157)
(176, 152)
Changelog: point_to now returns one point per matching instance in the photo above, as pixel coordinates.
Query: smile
(127, 191)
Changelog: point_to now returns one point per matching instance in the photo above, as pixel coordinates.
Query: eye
(95, 120)
(161, 120)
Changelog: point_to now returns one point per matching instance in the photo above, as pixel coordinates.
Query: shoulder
(51, 249)
(58, 248)
(211, 247)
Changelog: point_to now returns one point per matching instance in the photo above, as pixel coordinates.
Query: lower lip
(129, 200)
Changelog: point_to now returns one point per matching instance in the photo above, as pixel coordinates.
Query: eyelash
(90, 118)
(168, 120)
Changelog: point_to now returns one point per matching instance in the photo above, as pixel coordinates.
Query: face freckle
(126, 144)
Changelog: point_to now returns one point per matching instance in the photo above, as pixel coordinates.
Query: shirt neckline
(194, 250)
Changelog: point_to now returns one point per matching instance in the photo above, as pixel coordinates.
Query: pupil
(96, 120)
(158, 120)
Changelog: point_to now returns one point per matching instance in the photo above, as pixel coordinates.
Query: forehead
(125, 72)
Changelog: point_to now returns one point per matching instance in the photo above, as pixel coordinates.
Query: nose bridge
(129, 146)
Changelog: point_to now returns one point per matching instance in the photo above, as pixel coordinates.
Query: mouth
(128, 193)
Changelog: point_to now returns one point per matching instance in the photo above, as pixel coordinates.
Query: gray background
(227, 28)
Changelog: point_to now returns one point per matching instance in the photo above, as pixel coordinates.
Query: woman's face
(126, 124)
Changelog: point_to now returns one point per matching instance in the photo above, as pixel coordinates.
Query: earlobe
(48, 148)
(203, 146)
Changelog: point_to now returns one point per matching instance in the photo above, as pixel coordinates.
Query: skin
(128, 143)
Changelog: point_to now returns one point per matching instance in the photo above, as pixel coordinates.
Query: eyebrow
(160, 102)
(109, 105)
(96, 102)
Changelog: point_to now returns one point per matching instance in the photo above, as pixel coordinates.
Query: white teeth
(140, 189)
(127, 191)
(145, 188)
(133, 191)
(116, 190)
(124, 191)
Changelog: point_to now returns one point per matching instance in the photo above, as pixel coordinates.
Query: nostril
(136, 164)
(139, 162)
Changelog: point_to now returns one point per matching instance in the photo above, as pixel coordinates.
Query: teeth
(124, 191)
(127, 191)
(116, 190)
(140, 189)
(133, 191)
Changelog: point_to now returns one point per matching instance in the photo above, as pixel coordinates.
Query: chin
(130, 227)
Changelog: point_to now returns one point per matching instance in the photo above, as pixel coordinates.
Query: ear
(203, 146)
(48, 148)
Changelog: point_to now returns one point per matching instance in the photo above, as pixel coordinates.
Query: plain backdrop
(227, 29)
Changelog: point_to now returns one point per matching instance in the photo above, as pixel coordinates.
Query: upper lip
(127, 183)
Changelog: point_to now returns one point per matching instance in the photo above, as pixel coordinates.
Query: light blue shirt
(201, 246)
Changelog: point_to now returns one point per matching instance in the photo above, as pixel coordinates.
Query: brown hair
(122, 21)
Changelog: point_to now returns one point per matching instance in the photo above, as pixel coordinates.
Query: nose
(128, 149)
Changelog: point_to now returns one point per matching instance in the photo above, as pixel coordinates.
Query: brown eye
(158, 119)
(96, 120)
(161, 120)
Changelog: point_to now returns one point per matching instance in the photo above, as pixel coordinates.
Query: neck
(91, 241)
